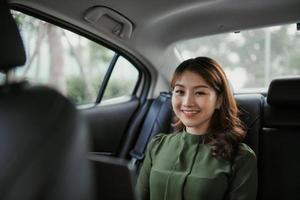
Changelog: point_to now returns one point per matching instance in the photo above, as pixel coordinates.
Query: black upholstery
(281, 116)
(161, 110)
(251, 112)
(250, 106)
(280, 162)
(157, 120)
(43, 145)
(12, 49)
(284, 92)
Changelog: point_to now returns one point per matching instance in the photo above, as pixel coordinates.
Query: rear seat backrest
(250, 106)
(280, 141)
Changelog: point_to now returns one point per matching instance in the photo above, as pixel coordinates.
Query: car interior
(47, 139)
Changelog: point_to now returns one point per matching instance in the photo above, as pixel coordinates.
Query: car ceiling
(160, 23)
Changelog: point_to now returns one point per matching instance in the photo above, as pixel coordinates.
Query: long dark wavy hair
(226, 130)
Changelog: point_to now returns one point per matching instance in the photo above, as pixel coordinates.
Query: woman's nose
(188, 100)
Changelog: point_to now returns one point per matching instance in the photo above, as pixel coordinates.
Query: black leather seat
(251, 108)
(280, 161)
(157, 120)
(43, 145)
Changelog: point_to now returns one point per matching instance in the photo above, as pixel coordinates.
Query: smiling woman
(205, 159)
(203, 87)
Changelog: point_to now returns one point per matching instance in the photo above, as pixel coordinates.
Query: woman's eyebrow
(195, 87)
(200, 86)
(179, 85)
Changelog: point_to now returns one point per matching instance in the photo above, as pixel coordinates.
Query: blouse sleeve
(243, 184)
(142, 186)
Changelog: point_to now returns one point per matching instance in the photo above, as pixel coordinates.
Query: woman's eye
(179, 92)
(200, 93)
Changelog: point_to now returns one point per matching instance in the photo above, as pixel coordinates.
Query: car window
(122, 81)
(70, 63)
(251, 58)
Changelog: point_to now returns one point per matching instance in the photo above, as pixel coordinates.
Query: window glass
(68, 62)
(123, 80)
(252, 58)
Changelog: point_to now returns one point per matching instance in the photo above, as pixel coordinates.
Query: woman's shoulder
(162, 138)
(246, 151)
(245, 155)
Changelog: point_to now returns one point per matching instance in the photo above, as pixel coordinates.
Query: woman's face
(194, 102)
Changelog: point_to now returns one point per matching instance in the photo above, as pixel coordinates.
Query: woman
(205, 159)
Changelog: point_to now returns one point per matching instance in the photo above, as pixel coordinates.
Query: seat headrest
(12, 53)
(284, 92)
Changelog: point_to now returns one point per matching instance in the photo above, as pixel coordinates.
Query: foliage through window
(68, 62)
(252, 58)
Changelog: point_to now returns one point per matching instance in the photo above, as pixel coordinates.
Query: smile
(190, 111)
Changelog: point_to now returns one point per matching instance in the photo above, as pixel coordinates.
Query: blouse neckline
(193, 138)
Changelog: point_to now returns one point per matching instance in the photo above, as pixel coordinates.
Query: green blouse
(179, 166)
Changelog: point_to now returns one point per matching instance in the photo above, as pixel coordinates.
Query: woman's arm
(142, 186)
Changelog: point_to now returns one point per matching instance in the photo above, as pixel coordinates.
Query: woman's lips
(190, 113)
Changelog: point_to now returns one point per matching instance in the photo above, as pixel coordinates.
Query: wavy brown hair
(226, 130)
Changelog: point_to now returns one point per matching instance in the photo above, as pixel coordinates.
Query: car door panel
(108, 124)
